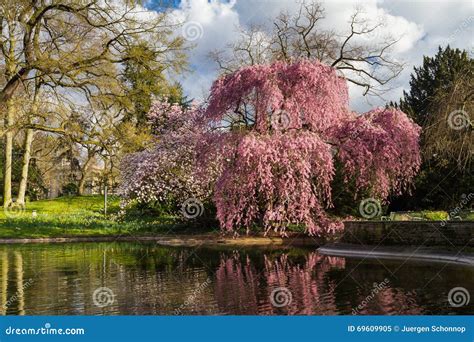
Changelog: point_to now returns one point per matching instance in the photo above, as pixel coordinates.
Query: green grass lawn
(82, 216)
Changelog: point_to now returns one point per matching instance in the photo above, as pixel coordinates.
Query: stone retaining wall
(427, 233)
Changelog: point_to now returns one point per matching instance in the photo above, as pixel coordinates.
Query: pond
(147, 279)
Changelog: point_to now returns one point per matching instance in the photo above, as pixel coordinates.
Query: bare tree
(73, 45)
(449, 132)
(362, 59)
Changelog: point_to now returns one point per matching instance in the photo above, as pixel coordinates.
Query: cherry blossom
(276, 175)
(165, 172)
(265, 146)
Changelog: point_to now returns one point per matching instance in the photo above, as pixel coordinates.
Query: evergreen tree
(145, 79)
(437, 74)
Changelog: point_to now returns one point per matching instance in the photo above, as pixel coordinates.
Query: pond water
(147, 279)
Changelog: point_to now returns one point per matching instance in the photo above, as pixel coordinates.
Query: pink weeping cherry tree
(277, 132)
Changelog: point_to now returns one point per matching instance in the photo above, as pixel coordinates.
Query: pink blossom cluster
(276, 180)
(310, 93)
(278, 175)
(379, 150)
(267, 174)
(165, 172)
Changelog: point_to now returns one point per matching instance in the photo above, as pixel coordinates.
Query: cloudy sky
(422, 26)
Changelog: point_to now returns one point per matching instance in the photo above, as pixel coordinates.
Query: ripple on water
(149, 280)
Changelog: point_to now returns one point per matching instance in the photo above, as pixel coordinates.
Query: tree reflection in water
(148, 279)
(244, 287)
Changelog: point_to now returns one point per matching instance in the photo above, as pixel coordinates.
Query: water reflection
(245, 288)
(148, 279)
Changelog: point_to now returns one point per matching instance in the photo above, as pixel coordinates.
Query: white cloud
(218, 22)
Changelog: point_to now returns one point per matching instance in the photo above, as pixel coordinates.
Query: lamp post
(105, 199)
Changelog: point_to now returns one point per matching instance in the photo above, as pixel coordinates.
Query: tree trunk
(7, 175)
(26, 166)
(27, 149)
(82, 181)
